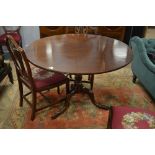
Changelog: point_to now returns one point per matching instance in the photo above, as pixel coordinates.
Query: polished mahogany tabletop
(79, 53)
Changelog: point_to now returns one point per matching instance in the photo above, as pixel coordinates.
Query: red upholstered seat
(132, 118)
(15, 35)
(43, 78)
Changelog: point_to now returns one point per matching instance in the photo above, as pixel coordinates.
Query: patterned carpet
(115, 88)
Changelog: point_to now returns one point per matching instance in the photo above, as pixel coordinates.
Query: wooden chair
(36, 82)
(14, 33)
(84, 30)
(125, 117)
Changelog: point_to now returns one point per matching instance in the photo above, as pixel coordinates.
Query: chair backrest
(20, 61)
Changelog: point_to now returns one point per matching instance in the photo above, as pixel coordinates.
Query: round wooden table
(79, 54)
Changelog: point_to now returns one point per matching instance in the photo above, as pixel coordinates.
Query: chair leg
(58, 89)
(21, 94)
(92, 81)
(10, 76)
(70, 76)
(67, 87)
(134, 78)
(34, 98)
(109, 124)
(89, 77)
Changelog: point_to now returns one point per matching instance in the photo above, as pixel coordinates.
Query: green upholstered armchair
(143, 67)
(5, 68)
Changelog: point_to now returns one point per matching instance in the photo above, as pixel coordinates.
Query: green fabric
(149, 45)
(138, 46)
(142, 66)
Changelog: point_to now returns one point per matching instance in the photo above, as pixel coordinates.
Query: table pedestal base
(78, 87)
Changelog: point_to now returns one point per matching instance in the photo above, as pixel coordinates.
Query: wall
(29, 34)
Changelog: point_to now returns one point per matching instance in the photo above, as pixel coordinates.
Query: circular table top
(79, 53)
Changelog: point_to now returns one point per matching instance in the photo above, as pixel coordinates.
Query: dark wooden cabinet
(46, 31)
(116, 32)
(132, 31)
(123, 33)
